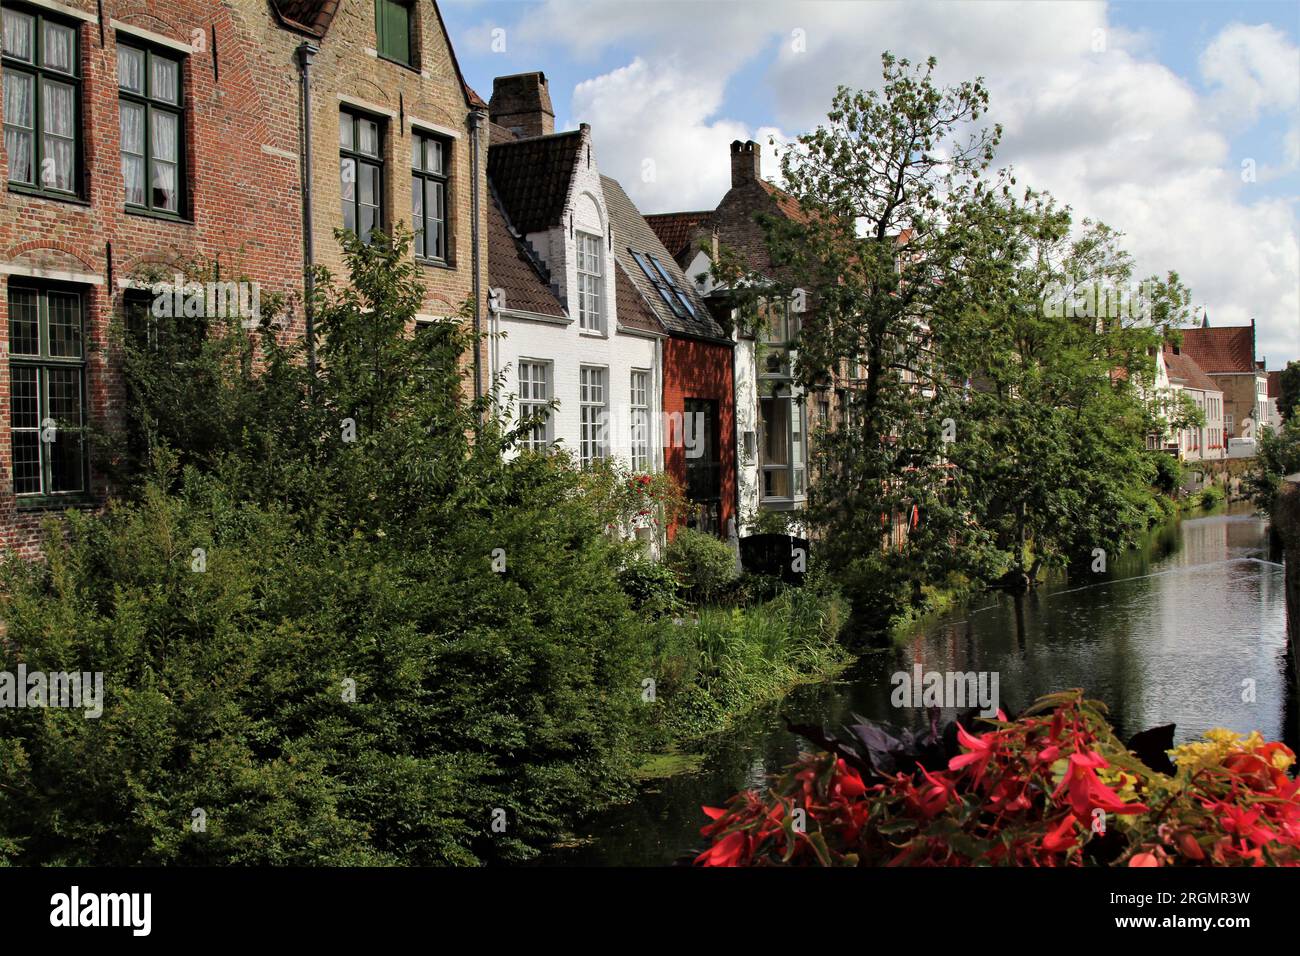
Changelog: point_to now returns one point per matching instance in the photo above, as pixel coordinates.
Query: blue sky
(1138, 113)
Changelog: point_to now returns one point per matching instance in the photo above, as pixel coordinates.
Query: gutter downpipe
(476, 117)
(306, 51)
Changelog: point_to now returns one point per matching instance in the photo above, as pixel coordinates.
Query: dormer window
(590, 280)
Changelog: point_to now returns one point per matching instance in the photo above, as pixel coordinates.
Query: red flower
(980, 751)
(731, 850)
(1144, 859)
(1061, 838)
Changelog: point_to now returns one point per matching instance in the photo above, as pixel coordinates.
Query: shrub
(652, 587)
(1211, 496)
(1025, 792)
(704, 564)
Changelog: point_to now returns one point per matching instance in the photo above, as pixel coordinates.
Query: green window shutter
(393, 27)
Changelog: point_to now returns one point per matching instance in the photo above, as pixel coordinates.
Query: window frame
(152, 104)
(409, 7)
(43, 362)
(38, 72)
(593, 446)
(355, 117)
(674, 296)
(421, 176)
(596, 279)
(796, 465)
(541, 436)
(639, 421)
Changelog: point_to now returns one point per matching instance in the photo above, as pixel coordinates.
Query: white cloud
(1087, 112)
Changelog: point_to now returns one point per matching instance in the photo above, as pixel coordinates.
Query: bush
(388, 638)
(1211, 496)
(652, 587)
(704, 565)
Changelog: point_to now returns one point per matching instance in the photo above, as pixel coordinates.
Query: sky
(1175, 122)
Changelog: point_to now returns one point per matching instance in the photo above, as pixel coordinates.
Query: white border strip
(427, 127)
(53, 275)
(63, 8)
(281, 153)
(367, 106)
(150, 36)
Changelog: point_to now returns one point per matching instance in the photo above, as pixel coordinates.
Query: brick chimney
(522, 103)
(746, 162)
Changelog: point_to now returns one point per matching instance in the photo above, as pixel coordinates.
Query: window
(393, 30)
(534, 399)
(153, 128)
(47, 385)
(589, 282)
(781, 325)
(782, 456)
(361, 174)
(42, 106)
(674, 297)
(640, 420)
(591, 401)
(429, 196)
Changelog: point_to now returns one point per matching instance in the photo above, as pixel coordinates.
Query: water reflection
(1176, 632)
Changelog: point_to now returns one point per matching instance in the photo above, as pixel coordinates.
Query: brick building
(141, 136)
(1227, 355)
(773, 415)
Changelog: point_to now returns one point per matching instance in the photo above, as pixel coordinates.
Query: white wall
(566, 346)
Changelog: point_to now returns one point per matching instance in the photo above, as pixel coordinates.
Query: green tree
(1289, 396)
(348, 627)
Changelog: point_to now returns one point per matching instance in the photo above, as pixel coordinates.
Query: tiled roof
(1227, 348)
(632, 232)
(787, 204)
(1183, 370)
(513, 270)
(309, 16)
(677, 231)
(532, 177)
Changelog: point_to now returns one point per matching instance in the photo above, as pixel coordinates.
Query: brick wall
(703, 370)
(242, 150)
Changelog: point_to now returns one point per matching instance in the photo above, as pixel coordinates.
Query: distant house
(1205, 442)
(1227, 355)
(1271, 417)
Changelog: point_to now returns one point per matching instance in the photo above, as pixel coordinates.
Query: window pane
(433, 210)
(59, 146)
(18, 123)
(165, 194)
(369, 185)
(23, 323)
(345, 131)
(18, 29)
(65, 325)
(131, 121)
(60, 44)
(130, 69)
(417, 214)
(66, 463)
(368, 137)
(433, 156)
(165, 143)
(164, 79)
(417, 152)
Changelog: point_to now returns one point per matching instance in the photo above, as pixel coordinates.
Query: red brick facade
(242, 175)
(695, 369)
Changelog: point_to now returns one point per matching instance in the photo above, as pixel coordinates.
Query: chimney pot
(746, 162)
(522, 103)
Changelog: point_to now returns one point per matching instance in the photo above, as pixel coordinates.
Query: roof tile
(1223, 349)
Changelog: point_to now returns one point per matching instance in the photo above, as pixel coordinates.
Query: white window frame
(639, 419)
(796, 464)
(590, 257)
(533, 400)
(593, 413)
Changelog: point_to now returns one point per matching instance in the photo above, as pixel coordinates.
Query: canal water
(1188, 629)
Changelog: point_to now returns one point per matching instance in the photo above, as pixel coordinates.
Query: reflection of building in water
(1206, 540)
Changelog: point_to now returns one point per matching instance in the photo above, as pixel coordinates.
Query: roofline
(533, 139)
(455, 64)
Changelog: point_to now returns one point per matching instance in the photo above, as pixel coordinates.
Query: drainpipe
(476, 118)
(305, 53)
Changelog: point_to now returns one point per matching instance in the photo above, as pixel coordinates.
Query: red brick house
(139, 136)
(1227, 355)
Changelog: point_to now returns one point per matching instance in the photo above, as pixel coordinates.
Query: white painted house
(556, 287)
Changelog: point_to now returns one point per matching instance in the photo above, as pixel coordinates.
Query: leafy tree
(1289, 396)
(1276, 456)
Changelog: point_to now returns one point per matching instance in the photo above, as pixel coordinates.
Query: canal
(1189, 628)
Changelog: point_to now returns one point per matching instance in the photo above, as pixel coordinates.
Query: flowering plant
(1055, 787)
